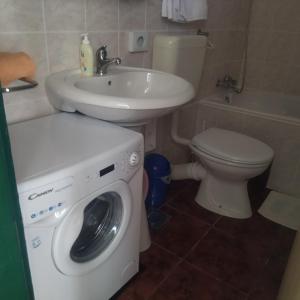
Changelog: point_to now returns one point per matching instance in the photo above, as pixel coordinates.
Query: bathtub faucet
(102, 62)
(228, 83)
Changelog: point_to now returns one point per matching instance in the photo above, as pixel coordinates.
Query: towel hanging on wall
(184, 11)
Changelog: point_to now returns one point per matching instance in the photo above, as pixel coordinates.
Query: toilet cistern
(102, 62)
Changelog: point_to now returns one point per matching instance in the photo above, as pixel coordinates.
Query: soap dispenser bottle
(86, 56)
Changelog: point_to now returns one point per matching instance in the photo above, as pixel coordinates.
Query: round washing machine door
(92, 230)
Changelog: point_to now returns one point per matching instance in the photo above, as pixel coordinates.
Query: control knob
(134, 159)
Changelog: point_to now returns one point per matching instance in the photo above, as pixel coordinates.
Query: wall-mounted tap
(102, 62)
(228, 83)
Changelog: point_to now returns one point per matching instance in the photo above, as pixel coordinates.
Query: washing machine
(80, 191)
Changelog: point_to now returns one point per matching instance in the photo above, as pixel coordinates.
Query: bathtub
(271, 118)
(271, 106)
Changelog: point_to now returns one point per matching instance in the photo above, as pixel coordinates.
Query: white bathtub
(276, 107)
(271, 118)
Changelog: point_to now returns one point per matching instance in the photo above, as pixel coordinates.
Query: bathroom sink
(126, 95)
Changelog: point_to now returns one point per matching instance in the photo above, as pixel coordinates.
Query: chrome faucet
(228, 83)
(102, 62)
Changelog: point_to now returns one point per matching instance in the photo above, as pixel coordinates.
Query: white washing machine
(80, 186)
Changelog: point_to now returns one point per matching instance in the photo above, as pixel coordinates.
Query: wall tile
(154, 18)
(166, 146)
(262, 14)
(274, 77)
(286, 15)
(132, 14)
(234, 68)
(258, 44)
(110, 39)
(102, 15)
(295, 53)
(210, 76)
(31, 43)
(63, 51)
(64, 15)
(192, 26)
(187, 121)
(280, 47)
(274, 39)
(220, 40)
(243, 14)
(147, 63)
(236, 45)
(230, 14)
(293, 81)
(229, 120)
(26, 105)
(254, 73)
(129, 59)
(20, 15)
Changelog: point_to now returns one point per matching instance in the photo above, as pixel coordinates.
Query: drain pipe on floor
(189, 170)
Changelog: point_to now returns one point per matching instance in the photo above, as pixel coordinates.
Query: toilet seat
(232, 147)
(219, 160)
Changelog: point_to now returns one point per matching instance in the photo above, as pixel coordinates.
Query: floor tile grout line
(217, 221)
(197, 243)
(165, 249)
(256, 282)
(189, 215)
(189, 251)
(181, 260)
(224, 232)
(217, 278)
(165, 279)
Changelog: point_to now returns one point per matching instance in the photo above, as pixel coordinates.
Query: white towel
(164, 9)
(184, 10)
(193, 10)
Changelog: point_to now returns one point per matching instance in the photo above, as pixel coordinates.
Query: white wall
(49, 31)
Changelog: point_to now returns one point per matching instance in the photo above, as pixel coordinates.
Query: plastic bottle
(86, 56)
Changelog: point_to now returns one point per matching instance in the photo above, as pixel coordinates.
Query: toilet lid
(232, 146)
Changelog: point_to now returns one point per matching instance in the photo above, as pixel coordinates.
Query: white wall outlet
(138, 41)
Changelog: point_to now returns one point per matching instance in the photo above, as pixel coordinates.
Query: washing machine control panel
(122, 165)
(55, 198)
(46, 200)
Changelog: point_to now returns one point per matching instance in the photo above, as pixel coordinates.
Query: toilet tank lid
(233, 146)
(180, 41)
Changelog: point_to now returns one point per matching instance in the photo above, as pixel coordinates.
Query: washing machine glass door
(101, 223)
(92, 229)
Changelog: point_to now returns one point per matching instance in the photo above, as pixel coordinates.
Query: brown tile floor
(199, 255)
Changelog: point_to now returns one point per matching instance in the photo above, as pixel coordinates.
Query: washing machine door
(92, 230)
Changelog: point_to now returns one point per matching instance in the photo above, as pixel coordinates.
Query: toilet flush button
(134, 159)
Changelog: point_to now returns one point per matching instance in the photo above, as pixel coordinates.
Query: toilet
(226, 159)
(229, 159)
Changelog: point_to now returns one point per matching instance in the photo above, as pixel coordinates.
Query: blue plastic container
(159, 172)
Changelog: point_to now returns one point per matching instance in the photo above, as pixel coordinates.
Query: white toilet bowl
(230, 159)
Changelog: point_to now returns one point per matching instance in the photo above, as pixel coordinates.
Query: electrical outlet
(138, 41)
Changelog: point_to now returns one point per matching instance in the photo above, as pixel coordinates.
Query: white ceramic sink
(127, 96)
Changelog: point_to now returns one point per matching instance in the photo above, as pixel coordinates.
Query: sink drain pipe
(192, 170)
